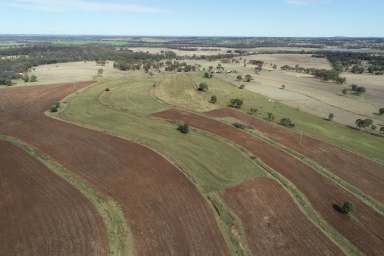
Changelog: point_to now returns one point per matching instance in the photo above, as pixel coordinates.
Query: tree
(26, 78)
(239, 78)
(346, 208)
(341, 80)
(345, 91)
(359, 123)
(270, 117)
(248, 78)
(183, 128)
(213, 99)
(357, 69)
(331, 116)
(100, 72)
(55, 107)
(381, 111)
(207, 75)
(382, 129)
(242, 86)
(33, 79)
(253, 110)
(203, 87)
(361, 90)
(287, 122)
(236, 103)
(282, 87)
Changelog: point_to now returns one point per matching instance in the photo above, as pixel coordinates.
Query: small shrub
(203, 87)
(213, 99)
(183, 128)
(345, 91)
(331, 116)
(239, 125)
(242, 86)
(107, 89)
(287, 122)
(282, 87)
(381, 111)
(239, 78)
(270, 117)
(33, 79)
(253, 110)
(55, 107)
(248, 78)
(208, 75)
(236, 103)
(346, 208)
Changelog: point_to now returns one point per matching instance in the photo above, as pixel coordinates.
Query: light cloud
(81, 5)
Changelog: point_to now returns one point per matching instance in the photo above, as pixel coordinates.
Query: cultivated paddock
(273, 223)
(165, 212)
(41, 214)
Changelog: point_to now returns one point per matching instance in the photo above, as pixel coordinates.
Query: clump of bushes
(203, 87)
(287, 122)
(363, 123)
(239, 125)
(213, 99)
(270, 117)
(183, 128)
(346, 208)
(55, 107)
(236, 103)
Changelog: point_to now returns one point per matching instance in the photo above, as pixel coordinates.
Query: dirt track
(165, 212)
(40, 210)
(366, 175)
(364, 229)
(267, 212)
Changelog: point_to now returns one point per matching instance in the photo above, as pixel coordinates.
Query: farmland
(155, 146)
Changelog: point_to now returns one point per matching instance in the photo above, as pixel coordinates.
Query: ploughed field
(41, 214)
(164, 211)
(274, 225)
(364, 229)
(366, 175)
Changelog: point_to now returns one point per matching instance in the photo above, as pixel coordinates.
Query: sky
(286, 18)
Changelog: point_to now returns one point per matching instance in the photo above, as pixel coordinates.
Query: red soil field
(366, 175)
(364, 229)
(41, 214)
(164, 210)
(267, 211)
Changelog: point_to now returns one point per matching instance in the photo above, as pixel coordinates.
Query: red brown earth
(273, 223)
(41, 214)
(366, 175)
(165, 212)
(364, 229)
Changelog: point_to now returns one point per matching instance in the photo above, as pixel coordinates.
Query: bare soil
(41, 214)
(273, 223)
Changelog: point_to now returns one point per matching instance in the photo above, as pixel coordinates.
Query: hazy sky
(194, 17)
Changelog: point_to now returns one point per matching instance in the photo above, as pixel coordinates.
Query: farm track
(269, 225)
(165, 212)
(363, 228)
(366, 175)
(41, 214)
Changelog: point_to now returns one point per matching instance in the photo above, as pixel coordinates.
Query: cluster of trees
(203, 87)
(247, 78)
(179, 66)
(357, 63)
(323, 74)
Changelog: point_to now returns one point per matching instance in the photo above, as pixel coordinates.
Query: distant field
(304, 60)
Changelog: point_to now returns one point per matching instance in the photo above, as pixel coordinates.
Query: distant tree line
(17, 61)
